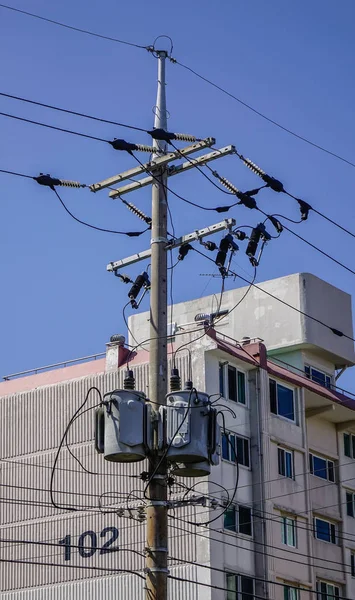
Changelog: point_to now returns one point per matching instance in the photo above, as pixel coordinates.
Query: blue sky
(291, 61)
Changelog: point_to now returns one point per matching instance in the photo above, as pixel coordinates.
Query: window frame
(351, 437)
(281, 451)
(333, 531)
(291, 588)
(329, 594)
(274, 402)
(352, 563)
(232, 445)
(238, 593)
(329, 467)
(236, 520)
(327, 376)
(284, 531)
(224, 370)
(350, 502)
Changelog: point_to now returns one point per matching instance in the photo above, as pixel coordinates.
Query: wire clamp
(159, 240)
(154, 503)
(151, 549)
(149, 570)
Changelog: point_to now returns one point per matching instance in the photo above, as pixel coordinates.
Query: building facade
(275, 520)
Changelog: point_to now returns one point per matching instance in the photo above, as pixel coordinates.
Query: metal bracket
(190, 237)
(153, 165)
(173, 170)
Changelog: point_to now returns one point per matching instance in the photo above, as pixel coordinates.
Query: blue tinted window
(323, 530)
(320, 467)
(285, 404)
(225, 447)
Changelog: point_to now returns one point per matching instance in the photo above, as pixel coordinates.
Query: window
(235, 449)
(238, 519)
(232, 383)
(282, 400)
(324, 530)
(352, 564)
(321, 467)
(350, 504)
(291, 593)
(318, 376)
(239, 587)
(288, 531)
(285, 460)
(349, 445)
(327, 591)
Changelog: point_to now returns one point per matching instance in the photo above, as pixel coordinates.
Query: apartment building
(287, 460)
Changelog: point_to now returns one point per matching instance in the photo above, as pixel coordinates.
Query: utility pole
(157, 173)
(157, 511)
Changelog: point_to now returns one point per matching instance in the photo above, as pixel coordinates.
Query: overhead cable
(78, 29)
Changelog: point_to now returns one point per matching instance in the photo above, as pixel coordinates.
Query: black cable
(332, 329)
(260, 114)
(14, 173)
(218, 570)
(128, 233)
(254, 551)
(57, 545)
(67, 566)
(84, 135)
(87, 32)
(93, 388)
(72, 112)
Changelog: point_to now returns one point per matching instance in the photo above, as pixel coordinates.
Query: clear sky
(293, 61)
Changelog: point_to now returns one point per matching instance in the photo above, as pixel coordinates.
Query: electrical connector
(136, 211)
(259, 232)
(304, 208)
(227, 243)
(240, 235)
(211, 246)
(271, 182)
(119, 144)
(245, 199)
(141, 281)
(51, 182)
(167, 136)
(184, 249)
(276, 223)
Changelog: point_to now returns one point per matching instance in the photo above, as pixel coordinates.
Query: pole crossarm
(156, 163)
(172, 170)
(190, 237)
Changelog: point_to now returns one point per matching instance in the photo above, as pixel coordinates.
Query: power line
(72, 112)
(67, 566)
(84, 135)
(263, 116)
(87, 32)
(254, 551)
(332, 329)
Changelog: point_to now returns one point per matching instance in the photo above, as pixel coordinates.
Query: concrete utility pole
(157, 512)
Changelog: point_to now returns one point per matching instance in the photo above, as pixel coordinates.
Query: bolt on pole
(157, 518)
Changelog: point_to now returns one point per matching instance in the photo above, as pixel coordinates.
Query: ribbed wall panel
(35, 421)
(32, 426)
(123, 587)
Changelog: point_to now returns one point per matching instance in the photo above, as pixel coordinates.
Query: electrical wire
(332, 329)
(128, 233)
(253, 550)
(40, 124)
(72, 112)
(77, 412)
(78, 29)
(67, 566)
(263, 116)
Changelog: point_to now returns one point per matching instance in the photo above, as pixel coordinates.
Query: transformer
(122, 426)
(192, 433)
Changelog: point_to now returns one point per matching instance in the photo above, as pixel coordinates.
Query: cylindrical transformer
(187, 417)
(121, 426)
(200, 469)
